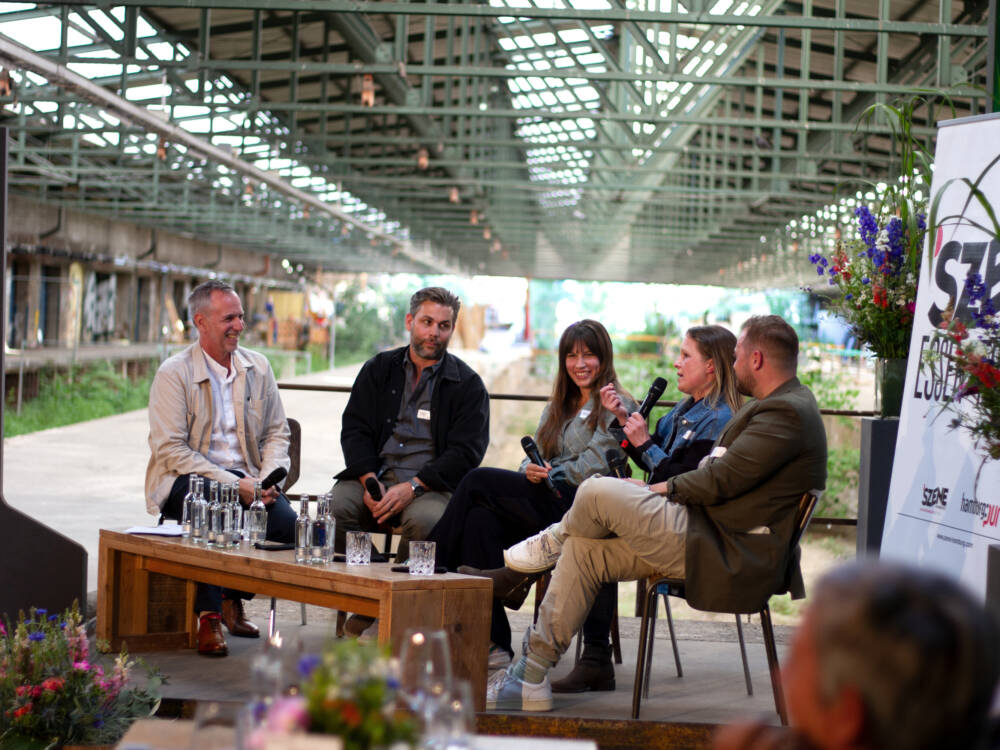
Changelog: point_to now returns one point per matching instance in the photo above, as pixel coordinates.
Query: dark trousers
(490, 510)
(280, 528)
(597, 626)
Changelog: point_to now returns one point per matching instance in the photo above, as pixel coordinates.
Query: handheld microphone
(371, 484)
(536, 458)
(655, 391)
(273, 478)
(616, 462)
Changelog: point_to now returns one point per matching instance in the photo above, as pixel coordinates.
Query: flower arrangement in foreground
(52, 692)
(974, 357)
(349, 691)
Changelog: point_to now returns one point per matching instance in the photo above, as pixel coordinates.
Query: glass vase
(890, 376)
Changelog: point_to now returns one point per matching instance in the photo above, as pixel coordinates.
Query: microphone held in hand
(273, 478)
(655, 391)
(616, 462)
(536, 458)
(371, 484)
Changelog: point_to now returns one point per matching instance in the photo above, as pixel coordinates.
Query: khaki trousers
(649, 538)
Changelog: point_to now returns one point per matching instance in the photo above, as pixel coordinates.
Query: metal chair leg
(772, 663)
(673, 636)
(272, 619)
(743, 654)
(303, 606)
(616, 637)
(641, 657)
(647, 668)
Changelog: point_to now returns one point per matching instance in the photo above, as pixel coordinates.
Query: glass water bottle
(322, 532)
(199, 514)
(257, 516)
(303, 532)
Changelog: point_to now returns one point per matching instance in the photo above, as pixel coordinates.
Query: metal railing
(828, 521)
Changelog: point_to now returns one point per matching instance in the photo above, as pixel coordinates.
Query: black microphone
(273, 478)
(616, 462)
(655, 391)
(372, 485)
(536, 458)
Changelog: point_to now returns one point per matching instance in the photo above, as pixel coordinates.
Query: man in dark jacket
(418, 420)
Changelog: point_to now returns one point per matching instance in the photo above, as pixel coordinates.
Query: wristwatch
(418, 489)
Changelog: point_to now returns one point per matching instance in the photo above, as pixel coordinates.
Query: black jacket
(460, 419)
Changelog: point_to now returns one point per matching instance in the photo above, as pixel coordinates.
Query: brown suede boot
(594, 671)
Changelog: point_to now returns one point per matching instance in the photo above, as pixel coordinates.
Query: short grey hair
(438, 295)
(201, 295)
(920, 650)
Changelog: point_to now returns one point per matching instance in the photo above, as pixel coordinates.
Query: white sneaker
(535, 554)
(504, 692)
(498, 658)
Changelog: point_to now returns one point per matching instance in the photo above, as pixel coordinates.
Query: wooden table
(161, 734)
(145, 595)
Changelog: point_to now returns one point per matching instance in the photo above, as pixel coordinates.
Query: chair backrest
(807, 504)
(294, 452)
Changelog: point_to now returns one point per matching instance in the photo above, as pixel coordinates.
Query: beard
(745, 385)
(427, 350)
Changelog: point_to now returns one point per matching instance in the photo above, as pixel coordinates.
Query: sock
(529, 668)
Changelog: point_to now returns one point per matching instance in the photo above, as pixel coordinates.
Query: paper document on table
(172, 529)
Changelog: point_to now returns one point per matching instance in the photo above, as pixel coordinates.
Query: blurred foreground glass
(425, 677)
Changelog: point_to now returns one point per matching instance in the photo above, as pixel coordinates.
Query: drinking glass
(359, 548)
(424, 673)
(453, 723)
(422, 558)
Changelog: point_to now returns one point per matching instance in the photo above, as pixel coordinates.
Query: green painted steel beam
(611, 15)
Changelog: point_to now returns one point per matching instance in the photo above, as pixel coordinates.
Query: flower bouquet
(974, 356)
(877, 274)
(53, 694)
(349, 691)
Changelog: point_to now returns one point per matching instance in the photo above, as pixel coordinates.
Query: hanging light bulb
(473, 217)
(453, 195)
(495, 247)
(487, 233)
(423, 159)
(367, 90)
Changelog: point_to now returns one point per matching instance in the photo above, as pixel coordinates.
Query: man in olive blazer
(726, 527)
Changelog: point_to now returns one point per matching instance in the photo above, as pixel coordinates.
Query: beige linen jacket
(180, 421)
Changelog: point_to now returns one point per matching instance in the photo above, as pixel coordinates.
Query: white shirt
(224, 450)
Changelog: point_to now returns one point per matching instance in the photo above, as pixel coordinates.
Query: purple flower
(867, 226)
(53, 618)
(36, 636)
(307, 664)
(848, 296)
(866, 280)
(819, 270)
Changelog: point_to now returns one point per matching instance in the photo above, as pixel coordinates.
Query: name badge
(423, 414)
(584, 413)
(718, 451)
(687, 435)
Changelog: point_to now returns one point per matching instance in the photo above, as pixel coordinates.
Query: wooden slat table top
(280, 565)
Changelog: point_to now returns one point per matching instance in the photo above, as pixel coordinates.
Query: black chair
(666, 587)
(295, 457)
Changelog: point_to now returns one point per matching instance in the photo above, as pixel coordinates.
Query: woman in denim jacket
(681, 439)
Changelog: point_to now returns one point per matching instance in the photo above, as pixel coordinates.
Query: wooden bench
(145, 596)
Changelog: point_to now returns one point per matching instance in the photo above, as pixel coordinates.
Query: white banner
(939, 515)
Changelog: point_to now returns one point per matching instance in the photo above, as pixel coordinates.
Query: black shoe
(594, 671)
(509, 586)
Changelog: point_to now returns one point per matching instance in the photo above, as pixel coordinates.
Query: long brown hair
(565, 400)
(719, 345)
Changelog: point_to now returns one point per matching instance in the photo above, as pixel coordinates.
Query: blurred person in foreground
(887, 657)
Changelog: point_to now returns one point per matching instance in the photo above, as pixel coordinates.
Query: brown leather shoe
(509, 586)
(236, 620)
(210, 640)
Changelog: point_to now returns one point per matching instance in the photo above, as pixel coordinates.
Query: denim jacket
(688, 423)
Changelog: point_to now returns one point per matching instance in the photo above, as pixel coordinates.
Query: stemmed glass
(425, 673)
